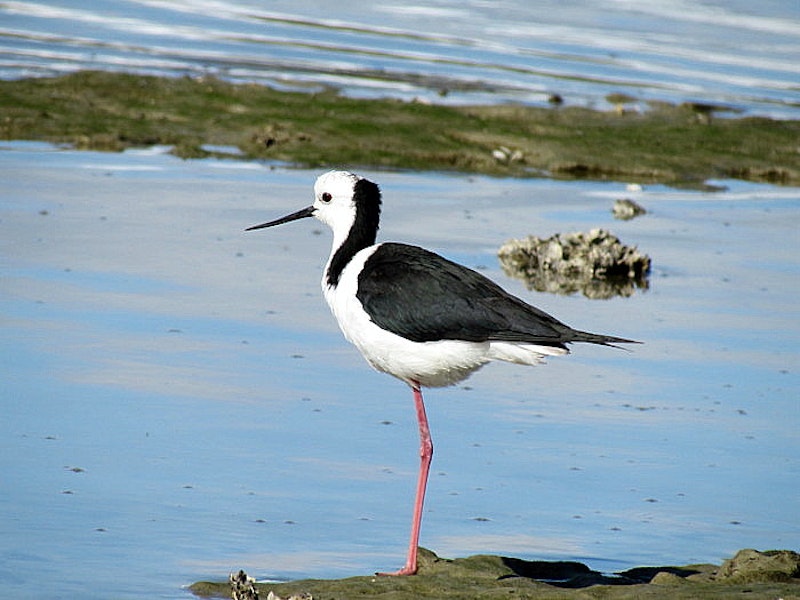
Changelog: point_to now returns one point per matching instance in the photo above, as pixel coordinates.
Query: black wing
(424, 297)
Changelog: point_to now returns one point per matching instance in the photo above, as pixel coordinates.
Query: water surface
(178, 402)
(740, 54)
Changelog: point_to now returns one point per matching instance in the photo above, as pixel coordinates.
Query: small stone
(750, 566)
(301, 596)
(666, 578)
(504, 154)
(499, 155)
(626, 209)
(243, 587)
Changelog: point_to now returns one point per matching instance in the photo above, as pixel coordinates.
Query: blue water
(740, 54)
(178, 403)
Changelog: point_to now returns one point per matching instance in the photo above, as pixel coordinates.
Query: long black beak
(300, 214)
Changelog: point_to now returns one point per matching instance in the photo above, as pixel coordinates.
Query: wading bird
(418, 316)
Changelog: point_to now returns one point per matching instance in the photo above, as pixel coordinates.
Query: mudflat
(667, 143)
(750, 574)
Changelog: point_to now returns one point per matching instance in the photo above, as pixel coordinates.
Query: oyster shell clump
(596, 264)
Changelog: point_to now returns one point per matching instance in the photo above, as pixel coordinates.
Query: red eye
(326, 197)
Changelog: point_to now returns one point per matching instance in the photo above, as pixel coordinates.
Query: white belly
(431, 364)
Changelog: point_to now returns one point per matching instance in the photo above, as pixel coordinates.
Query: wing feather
(425, 297)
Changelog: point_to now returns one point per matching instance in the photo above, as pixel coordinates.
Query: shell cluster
(596, 264)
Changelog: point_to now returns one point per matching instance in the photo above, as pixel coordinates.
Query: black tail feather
(600, 339)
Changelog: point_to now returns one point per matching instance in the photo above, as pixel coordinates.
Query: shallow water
(741, 54)
(178, 403)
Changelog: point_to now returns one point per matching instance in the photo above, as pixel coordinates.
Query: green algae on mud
(494, 577)
(666, 144)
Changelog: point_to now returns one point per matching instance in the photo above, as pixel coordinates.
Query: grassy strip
(667, 144)
(497, 578)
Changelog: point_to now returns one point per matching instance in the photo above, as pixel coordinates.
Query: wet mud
(750, 573)
(202, 117)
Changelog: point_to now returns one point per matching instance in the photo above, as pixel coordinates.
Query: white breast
(431, 364)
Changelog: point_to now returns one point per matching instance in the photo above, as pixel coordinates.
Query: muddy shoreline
(758, 575)
(199, 117)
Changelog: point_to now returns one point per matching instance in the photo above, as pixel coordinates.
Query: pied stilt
(418, 316)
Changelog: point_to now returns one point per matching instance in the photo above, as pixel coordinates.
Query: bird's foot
(407, 570)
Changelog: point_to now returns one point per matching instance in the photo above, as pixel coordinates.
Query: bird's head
(342, 200)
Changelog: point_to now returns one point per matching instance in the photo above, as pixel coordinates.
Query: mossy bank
(669, 144)
(750, 574)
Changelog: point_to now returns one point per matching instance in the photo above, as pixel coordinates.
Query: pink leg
(425, 454)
